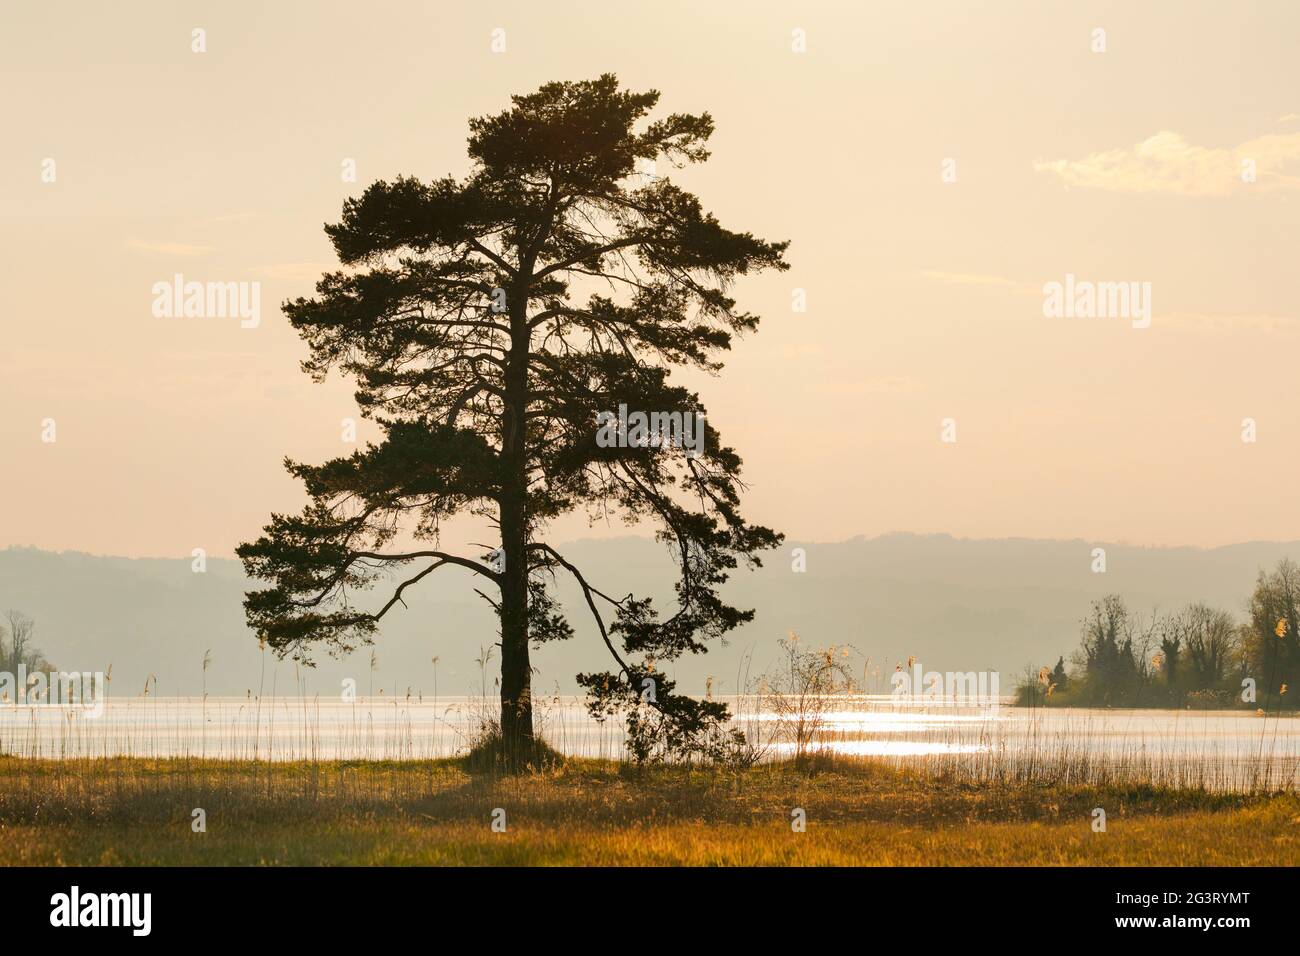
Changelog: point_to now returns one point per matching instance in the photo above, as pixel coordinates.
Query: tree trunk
(516, 669)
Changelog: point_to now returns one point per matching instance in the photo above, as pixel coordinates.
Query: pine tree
(491, 324)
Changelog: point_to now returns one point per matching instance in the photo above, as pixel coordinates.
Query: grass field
(137, 812)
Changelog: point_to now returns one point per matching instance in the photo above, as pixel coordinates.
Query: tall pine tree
(488, 322)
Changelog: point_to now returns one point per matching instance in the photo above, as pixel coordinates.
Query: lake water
(1217, 748)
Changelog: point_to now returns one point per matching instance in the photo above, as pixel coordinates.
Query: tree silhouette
(1272, 637)
(491, 325)
(16, 645)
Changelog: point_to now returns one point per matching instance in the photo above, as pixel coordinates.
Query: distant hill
(954, 603)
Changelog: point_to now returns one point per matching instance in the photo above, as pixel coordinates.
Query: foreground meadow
(586, 812)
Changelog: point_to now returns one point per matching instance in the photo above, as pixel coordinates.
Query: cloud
(800, 350)
(890, 384)
(1167, 163)
(230, 217)
(977, 279)
(170, 248)
(1221, 322)
(297, 271)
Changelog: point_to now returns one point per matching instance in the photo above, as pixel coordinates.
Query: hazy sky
(924, 297)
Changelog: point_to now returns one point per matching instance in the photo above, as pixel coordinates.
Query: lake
(1220, 749)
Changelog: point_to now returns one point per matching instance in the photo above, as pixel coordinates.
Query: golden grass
(859, 812)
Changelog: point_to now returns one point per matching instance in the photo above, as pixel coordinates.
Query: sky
(936, 166)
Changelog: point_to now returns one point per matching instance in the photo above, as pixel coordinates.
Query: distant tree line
(1198, 657)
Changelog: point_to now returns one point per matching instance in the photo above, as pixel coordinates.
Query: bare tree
(1209, 640)
(801, 691)
(19, 648)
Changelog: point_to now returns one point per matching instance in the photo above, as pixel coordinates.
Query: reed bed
(1220, 752)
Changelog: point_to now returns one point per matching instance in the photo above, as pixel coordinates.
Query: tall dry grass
(1011, 747)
